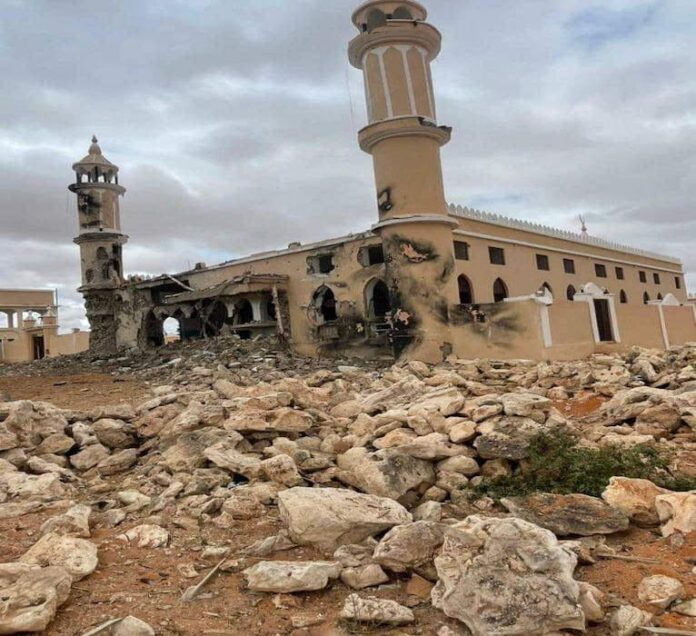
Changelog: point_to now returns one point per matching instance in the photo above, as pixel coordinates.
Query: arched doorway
(466, 291)
(324, 301)
(623, 298)
(646, 298)
(547, 287)
(172, 330)
(154, 330)
(215, 321)
(500, 291)
(243, 312)
(377, 299)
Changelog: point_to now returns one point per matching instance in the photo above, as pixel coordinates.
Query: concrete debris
(246, 453)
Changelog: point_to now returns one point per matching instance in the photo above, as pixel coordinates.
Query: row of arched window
(500, 292)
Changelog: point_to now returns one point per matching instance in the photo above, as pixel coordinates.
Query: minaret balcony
(408, 126)
(396, 32)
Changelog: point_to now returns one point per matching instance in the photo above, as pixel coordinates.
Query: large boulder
(77, 556)
(635, 498)
(114, 434)
(73, 522)
(17, 485)
(524, 404)
(30, 596)
(386, 473)
(330, 517)
(283, 577)
(568, 515)
(508, 438)
(507, 576)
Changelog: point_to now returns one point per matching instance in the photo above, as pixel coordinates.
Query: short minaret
(101, 242)
(394, 50)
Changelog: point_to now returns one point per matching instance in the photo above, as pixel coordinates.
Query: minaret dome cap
(409, 9)
(95, 159)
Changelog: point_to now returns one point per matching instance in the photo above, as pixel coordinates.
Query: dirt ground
(78, 392)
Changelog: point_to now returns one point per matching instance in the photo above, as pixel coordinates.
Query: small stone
(418, 586)
(147, 536)
(660, 591)
(364, 576)
(628, 620)
(376, 611)
(288, 577)
(131, 626)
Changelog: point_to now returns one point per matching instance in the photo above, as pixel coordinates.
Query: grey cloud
(234, 123)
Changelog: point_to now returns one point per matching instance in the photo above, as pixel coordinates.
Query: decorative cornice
(416, 218)
(405, 126)
(396, 32)
(545, 230)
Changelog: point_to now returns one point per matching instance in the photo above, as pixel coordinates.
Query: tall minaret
(101, 242)
(394, 50)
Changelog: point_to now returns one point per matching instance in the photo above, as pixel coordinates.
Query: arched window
(377, 298)
(376, 19)
(570, 292)
(402, 13)
(466, 293)
(243, 312)
(500, 291)
(646, 298)
(659, 296)
(623, 299)
(325, 302)
(547, 287)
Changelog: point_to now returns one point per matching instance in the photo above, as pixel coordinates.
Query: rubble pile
(372, 468)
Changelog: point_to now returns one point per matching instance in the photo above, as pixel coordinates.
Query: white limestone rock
(507, 576)
(281, 469)
(524, 404)
(147, 536)
(18, 485)
(74, 523)
(131, 626)
(285, 577)
(30, 597)
(364, 576)
(635, 498)
(409, 546)
(89, 457)
(376, 611)
(386, 473)
(330, 517)
(677, 512)
(77, 556)
(660, 591)
(628, 620)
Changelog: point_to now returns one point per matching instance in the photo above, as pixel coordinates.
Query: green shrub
(557, 464)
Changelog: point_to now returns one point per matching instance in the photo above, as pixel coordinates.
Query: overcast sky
(234, 124)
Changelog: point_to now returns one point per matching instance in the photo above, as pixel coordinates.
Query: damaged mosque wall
(426, 281)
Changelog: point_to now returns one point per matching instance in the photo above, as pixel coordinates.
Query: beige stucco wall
(640, 325)
(67, 344)
(571, 330)
(347, 281)
(681, 324)
(522, 277)
(511, 331)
